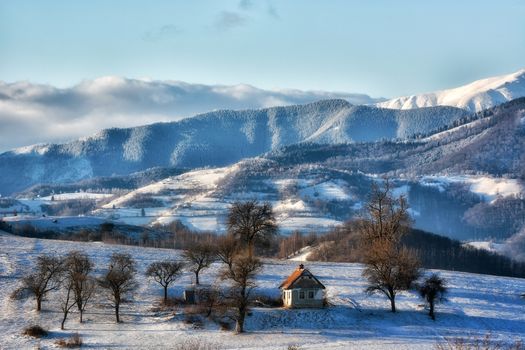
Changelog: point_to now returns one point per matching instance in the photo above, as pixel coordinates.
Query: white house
(302, 289)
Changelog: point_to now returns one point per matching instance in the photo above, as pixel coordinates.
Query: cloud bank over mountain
(36, 113)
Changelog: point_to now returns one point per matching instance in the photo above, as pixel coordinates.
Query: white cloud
(33, 113)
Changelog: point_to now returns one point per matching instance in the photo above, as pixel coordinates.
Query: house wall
(295, 301)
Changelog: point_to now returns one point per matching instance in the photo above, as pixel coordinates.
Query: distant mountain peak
(474, 97)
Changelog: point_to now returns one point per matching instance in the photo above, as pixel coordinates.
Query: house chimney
(301, 267)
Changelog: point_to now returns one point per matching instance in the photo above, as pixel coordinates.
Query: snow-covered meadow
(477, 304)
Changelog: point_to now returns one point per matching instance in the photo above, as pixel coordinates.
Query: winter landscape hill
(262, 175)
(476, 305)
(474, 97)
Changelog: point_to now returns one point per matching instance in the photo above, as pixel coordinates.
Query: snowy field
(476, 305)
(57, 223)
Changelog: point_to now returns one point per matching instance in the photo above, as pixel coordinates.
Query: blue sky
(382, 48)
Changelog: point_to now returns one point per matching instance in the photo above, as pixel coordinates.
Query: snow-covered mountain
(33, 113)
(465, 182)
(224, 137)
(474, 97)
(213, 139)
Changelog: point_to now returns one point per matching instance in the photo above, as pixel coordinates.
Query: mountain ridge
(474, 97)
(35, 113)
(213, 139)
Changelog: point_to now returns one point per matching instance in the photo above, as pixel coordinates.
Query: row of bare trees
(249, 224)
(72, 277)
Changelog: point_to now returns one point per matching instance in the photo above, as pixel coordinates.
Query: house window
(301, 295)
(311, 294)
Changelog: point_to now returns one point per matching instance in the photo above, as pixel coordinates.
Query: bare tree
(119, 279)
(390, 268)
(78, 267)
(226, 248)
(45, 278)
(386, 216)
(67, 301)
(241, 274)
(209, 299)
(433, 290)
(164, 273)
(251, 222)
(199, 256)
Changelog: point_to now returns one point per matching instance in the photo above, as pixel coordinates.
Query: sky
(71, 68)
(380, 48)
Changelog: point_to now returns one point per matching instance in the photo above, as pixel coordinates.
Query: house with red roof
(302, 289)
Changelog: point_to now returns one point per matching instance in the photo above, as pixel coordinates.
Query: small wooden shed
(302, 289)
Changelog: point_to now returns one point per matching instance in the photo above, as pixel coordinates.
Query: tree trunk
(117, 305)
(242, 307)
(393, 303)
(64, 319)
(239, 327)
(250, 249)
(81, 314)
(165, 294)
(196, 277)
(431, 313)
(38, 303)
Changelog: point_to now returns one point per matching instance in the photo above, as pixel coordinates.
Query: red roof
(295, 275)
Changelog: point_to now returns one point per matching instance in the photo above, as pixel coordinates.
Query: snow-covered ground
(302, 254)
(477, 304)
(200, 199)
(331, 190)
(487, 187)
(56, 223)
(33, 206)
(488, 246)
(76, 195)
(195, 198)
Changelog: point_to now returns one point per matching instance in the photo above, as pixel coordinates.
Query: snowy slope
(488, 187)
(310, 200)
(476, 96)
(476, 305)
(200, 199)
